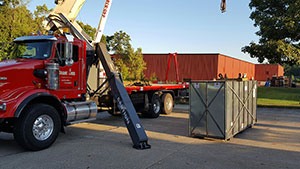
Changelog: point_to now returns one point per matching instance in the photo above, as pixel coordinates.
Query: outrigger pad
(118, 91)
(142, 146)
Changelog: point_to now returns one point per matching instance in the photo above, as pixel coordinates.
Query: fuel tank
(79, 111)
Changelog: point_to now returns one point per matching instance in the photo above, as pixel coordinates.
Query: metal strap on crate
(243, 105)
(206, 111)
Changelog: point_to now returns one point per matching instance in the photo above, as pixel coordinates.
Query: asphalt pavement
(274, 142)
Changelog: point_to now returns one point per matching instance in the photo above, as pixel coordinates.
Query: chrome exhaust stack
(52, 76)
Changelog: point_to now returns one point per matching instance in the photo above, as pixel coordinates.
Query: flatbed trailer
(155, 87)
(150, 100)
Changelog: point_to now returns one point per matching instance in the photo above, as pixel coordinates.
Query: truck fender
(168, 91)
(149, 95)
(42, 98)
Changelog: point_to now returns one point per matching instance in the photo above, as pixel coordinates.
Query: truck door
(69, 76)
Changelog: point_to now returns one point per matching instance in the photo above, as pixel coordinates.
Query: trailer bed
(155, 87)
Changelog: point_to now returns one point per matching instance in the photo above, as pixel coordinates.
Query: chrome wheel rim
(156, 107)
(42, 127)
(169, 104)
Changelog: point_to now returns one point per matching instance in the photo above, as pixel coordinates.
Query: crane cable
(223, 6)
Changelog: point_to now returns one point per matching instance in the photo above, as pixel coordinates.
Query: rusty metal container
(267, 71)
(197, 66)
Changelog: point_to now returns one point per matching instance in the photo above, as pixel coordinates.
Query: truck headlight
(3, 106)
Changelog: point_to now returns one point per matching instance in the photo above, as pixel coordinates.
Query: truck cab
(45, 82)
(27, 73)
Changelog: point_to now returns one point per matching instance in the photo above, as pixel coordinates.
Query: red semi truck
(45, 87)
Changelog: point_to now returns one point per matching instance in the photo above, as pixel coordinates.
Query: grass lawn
(278, 97)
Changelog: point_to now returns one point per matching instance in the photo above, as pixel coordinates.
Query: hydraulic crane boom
(102, 21)
(64, 16)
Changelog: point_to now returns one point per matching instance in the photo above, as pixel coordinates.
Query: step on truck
(44, 88)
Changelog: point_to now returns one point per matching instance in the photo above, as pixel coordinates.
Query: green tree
(153, 77)
(119, 44)
(15, 21)
(123, 68)
(88, 29)
(293, 70)
(40, 15)
(108, 40)
(136, 64)
(91, 31)
(130, 62)
(279, 27)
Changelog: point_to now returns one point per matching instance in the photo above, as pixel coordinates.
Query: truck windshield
(32, 49)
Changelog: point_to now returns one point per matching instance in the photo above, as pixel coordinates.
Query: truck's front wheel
(37, 127)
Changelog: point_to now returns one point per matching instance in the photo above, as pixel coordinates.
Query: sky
(168, 26)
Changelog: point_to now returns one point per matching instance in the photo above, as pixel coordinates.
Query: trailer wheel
(167, 103)
(38, 127)
(155, 107)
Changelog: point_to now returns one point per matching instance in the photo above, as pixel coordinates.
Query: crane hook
(223, 6)
(58, 2)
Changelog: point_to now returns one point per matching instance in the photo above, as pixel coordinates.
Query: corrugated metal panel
(190, 66)
(232, 67)
(265, 71)
(207, 67)
(280, 70)
(156, 63)
(221, 109)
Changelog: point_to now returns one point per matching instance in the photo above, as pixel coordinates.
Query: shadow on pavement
(105, 143)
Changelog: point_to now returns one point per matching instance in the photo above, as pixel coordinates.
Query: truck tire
(167, 103)
(38, 127)
(154, 107)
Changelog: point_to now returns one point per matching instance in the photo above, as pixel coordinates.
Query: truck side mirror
(69, 53)
(69, 49)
